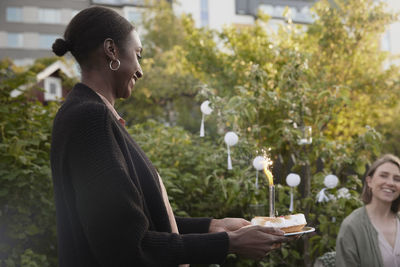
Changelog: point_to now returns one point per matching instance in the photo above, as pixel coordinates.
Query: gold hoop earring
(117, 67)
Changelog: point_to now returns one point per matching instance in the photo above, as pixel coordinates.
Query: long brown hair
(366, 195)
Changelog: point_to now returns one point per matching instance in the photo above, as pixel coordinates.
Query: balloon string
(202, 126)
(257, 181)
(229, 159)
(291, 199)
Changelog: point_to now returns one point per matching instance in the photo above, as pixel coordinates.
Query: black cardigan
(110, 210)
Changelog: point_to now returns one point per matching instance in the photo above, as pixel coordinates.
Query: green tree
(329, 77)
(266, 86)
(263, 85)
(27, 211)
(166, 91)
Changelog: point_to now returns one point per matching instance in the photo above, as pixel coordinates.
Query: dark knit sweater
(110, 210)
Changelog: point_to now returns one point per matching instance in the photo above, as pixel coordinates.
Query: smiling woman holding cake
(370, 235)
(112, 206)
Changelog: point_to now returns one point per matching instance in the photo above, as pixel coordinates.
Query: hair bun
(60, 47)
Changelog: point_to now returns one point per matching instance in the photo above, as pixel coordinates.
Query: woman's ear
(110, 49)
(368, 180)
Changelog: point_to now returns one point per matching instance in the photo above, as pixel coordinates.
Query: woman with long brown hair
(370, 235)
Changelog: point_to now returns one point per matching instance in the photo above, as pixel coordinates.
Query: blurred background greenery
(263, 85)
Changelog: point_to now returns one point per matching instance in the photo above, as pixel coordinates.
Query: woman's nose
(390, 181)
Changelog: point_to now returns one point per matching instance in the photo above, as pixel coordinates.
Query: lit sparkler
(268, 163)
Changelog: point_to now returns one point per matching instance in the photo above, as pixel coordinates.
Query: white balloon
(259, 162)
(331, 181)
(293, 179)
(231, 138)
(205, 108)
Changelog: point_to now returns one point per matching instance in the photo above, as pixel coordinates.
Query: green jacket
(357, 243)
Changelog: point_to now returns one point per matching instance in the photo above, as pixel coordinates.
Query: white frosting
(261, 221)
(280, 222)
(257, 221)
(297, 219)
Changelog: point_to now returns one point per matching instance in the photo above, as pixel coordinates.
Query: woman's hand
(255, 241)
(227, 224)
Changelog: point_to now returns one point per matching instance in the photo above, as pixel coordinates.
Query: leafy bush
(262, 85)
(195, 173)
(267, 86)
(27, 212)
(198, 183)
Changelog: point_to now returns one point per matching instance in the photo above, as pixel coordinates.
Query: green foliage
(263, 85)
(390, 127)
(266, 86)
(194, 171)
(166, 91)
(198, 183)
(350, 55)
(27, 212)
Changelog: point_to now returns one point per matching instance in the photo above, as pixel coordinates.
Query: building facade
(132, 10)
(28, 28)
(391, 38)
(217, 14)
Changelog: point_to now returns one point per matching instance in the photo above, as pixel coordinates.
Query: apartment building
(218, 13)
(132, 10)
(28, 28)
(391, 38)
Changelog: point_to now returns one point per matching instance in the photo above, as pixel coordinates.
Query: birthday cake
(288, 224)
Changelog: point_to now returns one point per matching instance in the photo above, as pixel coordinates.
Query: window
(14, 39)
(52, 88)
(47, 15)
(385, 42)
(119, 2)
(304, 15)
(74, 12)
(204, 12)
(47, 40)
(278, 11)
(136, 2)
(241, 7)
(14, 14)
(134, 16)
(267, 9)
(110, 2)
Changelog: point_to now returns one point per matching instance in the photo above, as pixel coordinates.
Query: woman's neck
(378, 210)
(100, 84)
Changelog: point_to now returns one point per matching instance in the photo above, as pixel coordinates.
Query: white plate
(305, 230)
